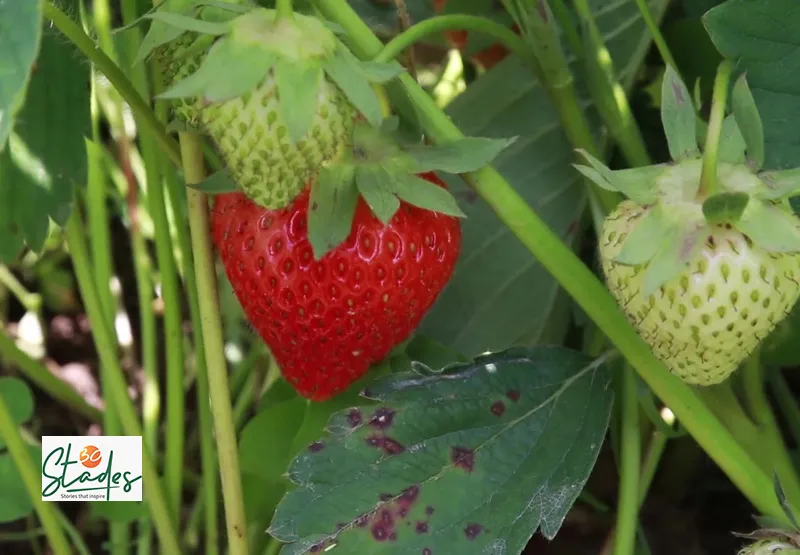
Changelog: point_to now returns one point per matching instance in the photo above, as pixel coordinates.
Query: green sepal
(770, 227)
(638, 184)
(231, 69)
(301, 84)
(375, 185)
(780, 494)
(374, 72)
(216, 183)
(732, 147)
(350, 79)
(422, 193)
(462, 156)
(187, 23)
(642, 244)
(189, 6)
(157, 35)
(331, 207)
(780, 184)
(678, 117)
(725, 207)
(178, 126)
(675, 252)
(749, 120)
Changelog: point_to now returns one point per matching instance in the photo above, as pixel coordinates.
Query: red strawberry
(326, 321)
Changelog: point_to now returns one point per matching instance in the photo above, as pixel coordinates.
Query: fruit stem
(218, 388)
(284, 9)
(629, 466)
(655, 32)
(786, 402)
(708, 177)
(580, 283)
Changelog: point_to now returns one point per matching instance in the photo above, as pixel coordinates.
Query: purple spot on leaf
(362, 521)
(463, 458)
(678, 92)
(354, 417)
(498, 408)
(386, 518)
(386, 496)
(472, 530)
(375, 441)
(540, 7)
(427, 551)
(402, 512)
(429, 510)
(409, 495)
(393, 537)
(392, 447)
(316, 447)
(513, 394)
(382, 418)
(422, 527)
(380, 533)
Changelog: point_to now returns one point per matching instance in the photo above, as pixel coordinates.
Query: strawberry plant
(396, 277)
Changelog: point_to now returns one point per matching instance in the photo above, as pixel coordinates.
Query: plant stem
(581, 284)
(31, 478)
(630, 461)
(38, 373)
(219, 392)
(441, 23)
(655, 32)
(115, 75)
(118, 387)
(564, 16)
(708, 177)
(658, 442)
(786, 402)
(284, 8)
(32, 302)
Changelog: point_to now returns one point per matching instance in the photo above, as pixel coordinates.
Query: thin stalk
(32, 480)
(578, 280)
(786, 402)
(74, 535)
(219, 392)
(284, 8)
(655, 32)
(708, 177)
(32, 302)
(118, 387)
(38, 373)
(630, 461)
(655, 449)
(564, 17)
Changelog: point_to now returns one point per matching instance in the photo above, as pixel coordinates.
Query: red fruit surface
(327, 321)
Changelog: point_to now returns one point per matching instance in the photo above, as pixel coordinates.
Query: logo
(83, 468)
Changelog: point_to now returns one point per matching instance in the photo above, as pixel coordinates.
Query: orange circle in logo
(90, 456)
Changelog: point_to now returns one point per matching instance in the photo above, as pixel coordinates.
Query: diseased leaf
(331, 208)
(678, 117)
(749, 121)
(298, 87)
(346, 74)
(770, 227)
(477, 457)
(216, 183)
(20, 33)
(374, 184)
(424, 194)
(466, 155)
(725, 207)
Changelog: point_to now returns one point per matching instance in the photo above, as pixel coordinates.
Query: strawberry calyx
(680, 215)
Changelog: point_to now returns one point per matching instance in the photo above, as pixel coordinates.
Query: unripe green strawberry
(176, 66)
(703, 322)
(768, 547)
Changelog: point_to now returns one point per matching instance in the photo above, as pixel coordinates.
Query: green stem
(74, 535)
(284, 8)
(441, 23)
(39, 374)
(786, 402)
(564, 17)
(117, 385)
(630, 461)
(658, 442)
(219, 392)
(655, 32)
(708, 177)
(29, 470)
(115, 75)
(587, 290)
(32, 302)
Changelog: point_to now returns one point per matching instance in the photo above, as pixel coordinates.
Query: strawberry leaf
(781, 184)
(678, 117)
(642, 242)
(461, 156)
(731, 142)
(374, 184)
(749, 120)
(348, 76)
(157, 35)
(725, 207)
(188, 23)
(472, 460)
(770, 227)
(331, 208)
(216, 183)
(15, 502)
(424, 194)
(298, 86)
(638, 184)
(374, 72)
(674, 254)
(231, 69)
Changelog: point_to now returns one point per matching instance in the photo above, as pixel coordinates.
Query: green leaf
(19, 44)
(725, 207)
(18, 399)
(188, 23)
(157, 35)
(760, 37)
(749, 120)
(643, 242)
(781, 495)
(781, 184)
(678, 117)
(638, 184)
(467, 459)
(770, 227)
(216, 183)
(118, 511)
(374, 72)
(732, 147)
(375, 185)
(298, 87)
(15, 503)
(424, 194)
(231, 69)
(355, 86)
(331, 208)
(675, 252)
(465, 155)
